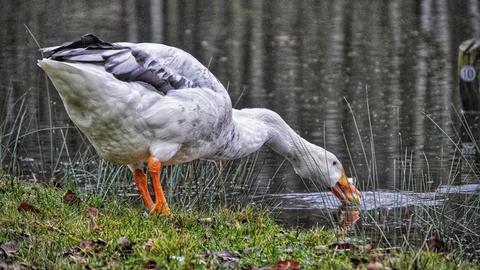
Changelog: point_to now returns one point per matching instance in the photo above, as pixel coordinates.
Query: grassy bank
(45, 227)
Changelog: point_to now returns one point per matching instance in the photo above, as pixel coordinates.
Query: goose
(147, 103)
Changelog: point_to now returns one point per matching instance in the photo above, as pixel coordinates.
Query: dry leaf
(368, 247)
(92, 215)
(113, 264)
(150, 264)
(261, 226)
(286, 265)
(9, 249)
(436, 244)
(124, 245)
(223, 255)
(375, 266)
(87, 246)
(149, 244)
(93, 212)
(227, 259)
(14, 266)
(379, 257)
(70, 197)
(26, 207)
(78, 259)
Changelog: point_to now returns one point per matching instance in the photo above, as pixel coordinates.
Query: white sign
(468, 73)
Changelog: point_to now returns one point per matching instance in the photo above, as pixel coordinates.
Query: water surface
(303, 59)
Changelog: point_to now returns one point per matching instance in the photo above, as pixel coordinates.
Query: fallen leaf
(113, 264)
(87, 246)
(261, 226)
(344, 246)
(78, 259)
(150, 264)
(379, 257)
(286, 265)
(14, 266)
(375, 266)
(26, 207)
(93, 212)
(92, 216)
(78, 253)
(9, 249)
(436, 244)
(223, 255)
(368, 247)
(227, 259)
(71, 251)
(149, 244)
(70, 197)
(124, 245)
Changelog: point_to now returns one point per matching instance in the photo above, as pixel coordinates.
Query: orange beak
(345, 191)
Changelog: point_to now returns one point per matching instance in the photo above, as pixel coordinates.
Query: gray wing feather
(130, 62)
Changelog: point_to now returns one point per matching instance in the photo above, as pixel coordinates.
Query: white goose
(155, 104)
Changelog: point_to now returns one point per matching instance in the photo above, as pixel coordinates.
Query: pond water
(307, 60)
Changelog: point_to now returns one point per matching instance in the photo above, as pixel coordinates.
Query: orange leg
(155, 169)
(140, 179)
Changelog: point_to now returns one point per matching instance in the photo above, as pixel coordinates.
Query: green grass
(60, 236)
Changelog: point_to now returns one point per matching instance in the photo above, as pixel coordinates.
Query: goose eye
(334, 163)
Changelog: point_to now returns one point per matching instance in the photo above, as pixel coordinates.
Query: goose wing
(163, 67)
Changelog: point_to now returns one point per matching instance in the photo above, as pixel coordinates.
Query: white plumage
(151, 102)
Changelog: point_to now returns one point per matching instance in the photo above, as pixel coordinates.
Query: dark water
(303, 59)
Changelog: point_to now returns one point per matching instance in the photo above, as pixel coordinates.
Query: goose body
(154, 103)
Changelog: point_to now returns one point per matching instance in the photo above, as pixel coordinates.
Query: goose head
(319, 165)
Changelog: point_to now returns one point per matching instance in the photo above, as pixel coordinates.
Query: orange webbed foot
(161, 209)
(161, 205)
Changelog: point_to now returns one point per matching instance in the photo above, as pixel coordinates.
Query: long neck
(253, 128)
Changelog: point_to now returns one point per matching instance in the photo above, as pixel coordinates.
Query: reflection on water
(371, 200)
(347, 217)
(388, 216)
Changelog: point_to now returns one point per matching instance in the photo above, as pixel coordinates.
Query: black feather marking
(86, 41)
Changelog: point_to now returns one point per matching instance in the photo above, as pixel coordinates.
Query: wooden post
(468, 70)
(469, 85)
